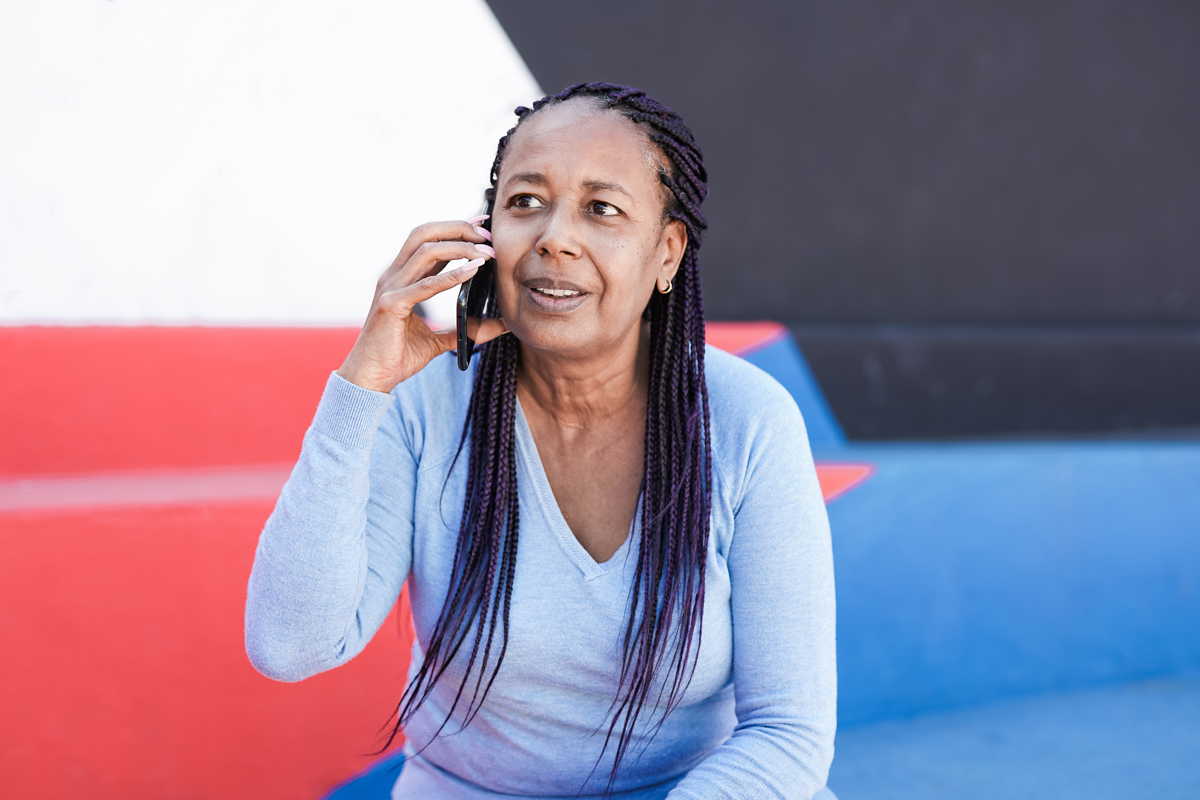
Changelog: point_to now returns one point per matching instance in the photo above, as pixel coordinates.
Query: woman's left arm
(784, 654)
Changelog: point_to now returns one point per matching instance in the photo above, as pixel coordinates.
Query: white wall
(233, 162)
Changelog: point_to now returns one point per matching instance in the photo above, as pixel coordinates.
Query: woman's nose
(560, 236)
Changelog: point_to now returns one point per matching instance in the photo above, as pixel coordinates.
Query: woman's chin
(564, 337)
(552, 340)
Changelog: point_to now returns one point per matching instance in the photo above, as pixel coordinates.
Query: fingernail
(478, 262)
(483, 248)
(477, 220)
(484, 232)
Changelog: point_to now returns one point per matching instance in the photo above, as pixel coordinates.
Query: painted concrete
(1137, 740)
(972, 572)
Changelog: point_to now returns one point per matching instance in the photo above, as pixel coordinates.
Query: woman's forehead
(579, 142)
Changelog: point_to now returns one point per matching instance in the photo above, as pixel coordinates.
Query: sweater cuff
(350, 414)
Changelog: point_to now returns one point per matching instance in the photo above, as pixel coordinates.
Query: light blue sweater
(369, 506)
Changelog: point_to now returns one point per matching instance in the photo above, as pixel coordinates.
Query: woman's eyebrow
(535, 178)
(539, 179)
(600, 186)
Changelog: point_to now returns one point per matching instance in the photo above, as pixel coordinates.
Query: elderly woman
(614, 541)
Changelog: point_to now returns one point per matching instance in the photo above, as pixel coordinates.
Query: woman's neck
(578, 392)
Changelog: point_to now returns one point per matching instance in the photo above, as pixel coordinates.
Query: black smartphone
(466, 345)
(472, 302)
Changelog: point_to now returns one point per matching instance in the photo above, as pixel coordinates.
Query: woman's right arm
(337, 548)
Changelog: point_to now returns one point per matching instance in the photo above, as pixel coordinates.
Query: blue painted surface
(1130, 742)
(373, 783)
(968, 573)
(783, 360)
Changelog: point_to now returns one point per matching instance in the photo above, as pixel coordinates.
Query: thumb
(485, 330)
(480, 332)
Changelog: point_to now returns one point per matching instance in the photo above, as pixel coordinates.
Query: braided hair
(663, 629)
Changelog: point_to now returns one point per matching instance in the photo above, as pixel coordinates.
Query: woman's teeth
(558, 292)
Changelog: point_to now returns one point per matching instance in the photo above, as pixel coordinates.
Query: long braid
(485, 555)
(663, 631)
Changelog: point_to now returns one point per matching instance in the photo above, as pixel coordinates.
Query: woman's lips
(556, 300)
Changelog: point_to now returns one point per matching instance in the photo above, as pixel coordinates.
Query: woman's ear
(674, 241)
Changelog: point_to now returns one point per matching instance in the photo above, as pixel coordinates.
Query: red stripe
(743, 338)
(105, 398)
(108, 398)
(837, 478)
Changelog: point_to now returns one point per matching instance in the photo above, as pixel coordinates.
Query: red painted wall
(104, 398)
(124, 673)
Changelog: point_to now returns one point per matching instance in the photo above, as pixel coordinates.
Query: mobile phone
(466, 345)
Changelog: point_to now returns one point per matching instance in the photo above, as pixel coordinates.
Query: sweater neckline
(591, 569)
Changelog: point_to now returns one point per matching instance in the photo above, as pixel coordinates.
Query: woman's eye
(603, 209)
(526, 201)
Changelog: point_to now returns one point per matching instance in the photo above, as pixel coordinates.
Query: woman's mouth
(555, 299)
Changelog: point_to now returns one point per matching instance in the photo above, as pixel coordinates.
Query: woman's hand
(395, 343)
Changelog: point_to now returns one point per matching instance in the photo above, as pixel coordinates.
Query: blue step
(1138, 741)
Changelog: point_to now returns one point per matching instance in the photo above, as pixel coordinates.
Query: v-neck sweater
(376, 499)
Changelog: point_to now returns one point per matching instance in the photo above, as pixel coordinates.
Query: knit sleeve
(782, 606)
(338, 546)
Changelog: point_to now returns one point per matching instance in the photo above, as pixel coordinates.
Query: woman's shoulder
(738, 390)
(755, 421)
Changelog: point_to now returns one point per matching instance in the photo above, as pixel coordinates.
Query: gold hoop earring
(667, 290)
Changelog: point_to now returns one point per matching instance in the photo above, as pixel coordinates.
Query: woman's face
(578, 230)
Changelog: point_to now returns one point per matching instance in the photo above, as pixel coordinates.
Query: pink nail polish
(477, 220)
(478, 262)
(484, 232)
(483, 248)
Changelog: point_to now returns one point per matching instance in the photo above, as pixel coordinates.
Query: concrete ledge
(1137, 740)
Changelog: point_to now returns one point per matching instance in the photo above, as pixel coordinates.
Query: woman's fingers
(453, 230)
(428, 286)
(393, 343)
(429, 258)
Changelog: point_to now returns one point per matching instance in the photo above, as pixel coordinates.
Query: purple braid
(663, 629)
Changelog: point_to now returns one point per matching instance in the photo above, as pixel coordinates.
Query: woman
(615, 545)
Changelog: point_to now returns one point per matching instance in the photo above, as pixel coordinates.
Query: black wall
(978, 218)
